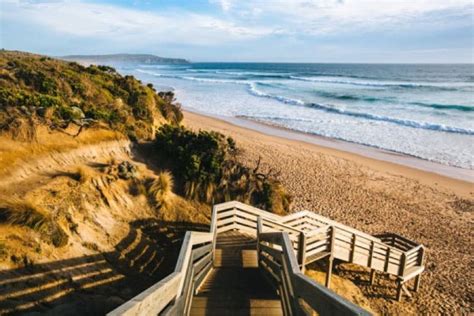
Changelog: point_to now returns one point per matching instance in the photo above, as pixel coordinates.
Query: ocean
(425, 111)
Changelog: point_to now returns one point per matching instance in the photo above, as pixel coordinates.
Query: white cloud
(329, 16)
(112, 22)
(253, 28)
(225, 5)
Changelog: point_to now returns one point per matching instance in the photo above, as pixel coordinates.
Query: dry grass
(25, 214)
(137, 187)
(343, 287)
(84, 174)
(161, 190)
(182, 210)
(14, 153)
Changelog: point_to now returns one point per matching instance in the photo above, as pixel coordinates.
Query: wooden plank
(412, 255)
(321, 248)
(317, 257)
(287, 280)
(246, 222)
(243, 228)
(271, 251)
(420, 263)
(225, 215)
(201, 276)
(402, 265)
(199, 265)
(272, 262)
(341, 253)
(287, 228)
(342, 227)
(184, 258)
(413, 250)
(226, 221)
(319, 229)
(406, 240)
(296, 222)
(250, 217)
(226, 228)
(317, 244)
(270, 272)
(315, 238)
(294, 216)
(302, 251)
(187, 290)
(199, 252)
(289, 255)
(201, 238)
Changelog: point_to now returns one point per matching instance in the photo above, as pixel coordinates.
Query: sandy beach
(375, 196)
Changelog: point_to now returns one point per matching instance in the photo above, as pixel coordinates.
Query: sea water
(426, 111)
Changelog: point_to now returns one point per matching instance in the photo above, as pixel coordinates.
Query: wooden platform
(236, 286)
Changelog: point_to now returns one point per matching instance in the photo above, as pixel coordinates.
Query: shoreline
(458, 180)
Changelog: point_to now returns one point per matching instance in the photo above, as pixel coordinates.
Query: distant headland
(124, 58)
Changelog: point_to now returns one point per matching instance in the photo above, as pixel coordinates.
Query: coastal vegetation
(50, 108)
(205, 164)
(40, 90)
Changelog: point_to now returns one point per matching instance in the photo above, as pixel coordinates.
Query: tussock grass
(137, 187)
(14, 153)
(25, 214)
(161, 190)
(84, 174)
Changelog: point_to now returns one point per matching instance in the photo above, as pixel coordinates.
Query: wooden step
(236, 286)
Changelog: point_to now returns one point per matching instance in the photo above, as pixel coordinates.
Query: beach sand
(375, 196)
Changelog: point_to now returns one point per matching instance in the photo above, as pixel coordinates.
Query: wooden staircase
(251, 262)
(236, 286)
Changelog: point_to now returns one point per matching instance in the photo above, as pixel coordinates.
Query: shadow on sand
(95, 284)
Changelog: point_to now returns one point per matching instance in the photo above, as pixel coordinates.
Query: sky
(371, 31)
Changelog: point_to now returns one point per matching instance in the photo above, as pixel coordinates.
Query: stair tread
(236, 286)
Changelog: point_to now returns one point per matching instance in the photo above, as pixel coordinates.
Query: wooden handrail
(178, 286)
(172, 295)
(284, 226)
(296, 286)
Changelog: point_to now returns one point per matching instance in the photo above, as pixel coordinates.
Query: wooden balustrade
(298, 292)
(284, 246)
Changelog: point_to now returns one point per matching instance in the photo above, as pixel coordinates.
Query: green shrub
(42, 82)
(205, 165)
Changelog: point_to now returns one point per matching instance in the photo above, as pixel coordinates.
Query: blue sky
(428, 31)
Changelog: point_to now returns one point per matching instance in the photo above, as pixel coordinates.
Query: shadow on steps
(96, 284)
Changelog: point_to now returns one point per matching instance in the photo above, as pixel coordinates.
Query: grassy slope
(57, 93)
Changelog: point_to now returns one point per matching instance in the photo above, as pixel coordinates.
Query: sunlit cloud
(107, 21)
(291, 30)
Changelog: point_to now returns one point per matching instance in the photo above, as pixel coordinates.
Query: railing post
(302, 251)
(401, 271)
(371, 259)
(421, 254)
(259, 230)
(332, 240)
(353, 247)
(214, 237)
(387, 259)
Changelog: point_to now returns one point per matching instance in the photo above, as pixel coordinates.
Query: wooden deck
(236, 286)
